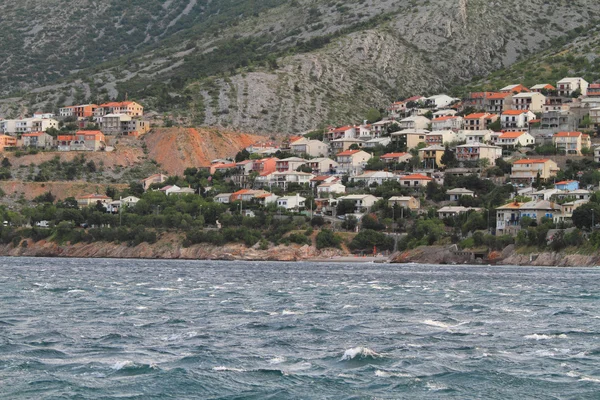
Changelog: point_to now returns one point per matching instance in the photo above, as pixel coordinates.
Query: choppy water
(101, 329)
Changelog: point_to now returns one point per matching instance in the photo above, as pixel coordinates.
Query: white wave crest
(164, 289)
(277, 360)
(589, 379)
(360, 352)
(75, 291)
(222, 368)
(289, 312)
(122, 364)
(387, 374)
(535, 336)
(436, 386)
(439, 324)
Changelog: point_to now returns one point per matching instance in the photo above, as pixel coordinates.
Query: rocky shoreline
(171, 248)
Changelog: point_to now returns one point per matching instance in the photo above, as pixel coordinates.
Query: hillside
(176, 149)
(577, 56)
(274, 66)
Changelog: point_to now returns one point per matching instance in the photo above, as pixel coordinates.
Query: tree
(448, 158)
(495, 126)
(584, 214)
(242, 155)
(345, 207)
(350, 223)
(369, 239)
(373, 115)
(6, 163)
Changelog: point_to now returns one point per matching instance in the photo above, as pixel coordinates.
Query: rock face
(166, 248)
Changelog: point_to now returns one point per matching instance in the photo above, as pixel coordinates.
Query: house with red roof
(593, 90)
(414, 180)
(542, 88)
(342, 132)
(479, 121)
(571, 142)
(509, 141)
(352, 161)
(395, 158)
(518, 88)
(496, 102)
(516, 120)
(527, 170)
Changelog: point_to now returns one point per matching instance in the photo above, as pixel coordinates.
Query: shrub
(327, 238)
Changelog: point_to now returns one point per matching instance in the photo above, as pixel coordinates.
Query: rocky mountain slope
(280, 66)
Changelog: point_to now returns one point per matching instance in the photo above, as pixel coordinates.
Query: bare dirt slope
(176, 149)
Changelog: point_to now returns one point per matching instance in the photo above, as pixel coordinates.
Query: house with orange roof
(7, 141)
(496, 102)
(527, 170)
(265, 165)
(130, 108)
(508, 218)
(516, 120)
(542, 88)
(352, 161)
(414, 180)
(342, 132)
(395, 158)
(452, 123)
(82, 141)
(400, 108)
(479, 121)
(532, 101)
(593, 90)
(518, 88)
(509, 141)
(84, 110)
(571, 142)
(37, 139)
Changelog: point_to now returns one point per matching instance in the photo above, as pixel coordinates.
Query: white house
(330, 188)
(456, 193)
(567, 86)
(416, 122)
(511, 140)
(322, 165)
(362, 202)
(447, 122)
(291, 202)
(378, 177)
(532, 101)
(222, 198)
(516, 120)
(440, 100)
(452, 211)
(313, 148)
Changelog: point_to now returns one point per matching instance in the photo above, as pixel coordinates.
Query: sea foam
(359, 353)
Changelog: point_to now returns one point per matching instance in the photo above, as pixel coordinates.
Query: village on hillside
(494, 168)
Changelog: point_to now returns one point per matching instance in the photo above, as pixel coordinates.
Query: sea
(162, 329)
